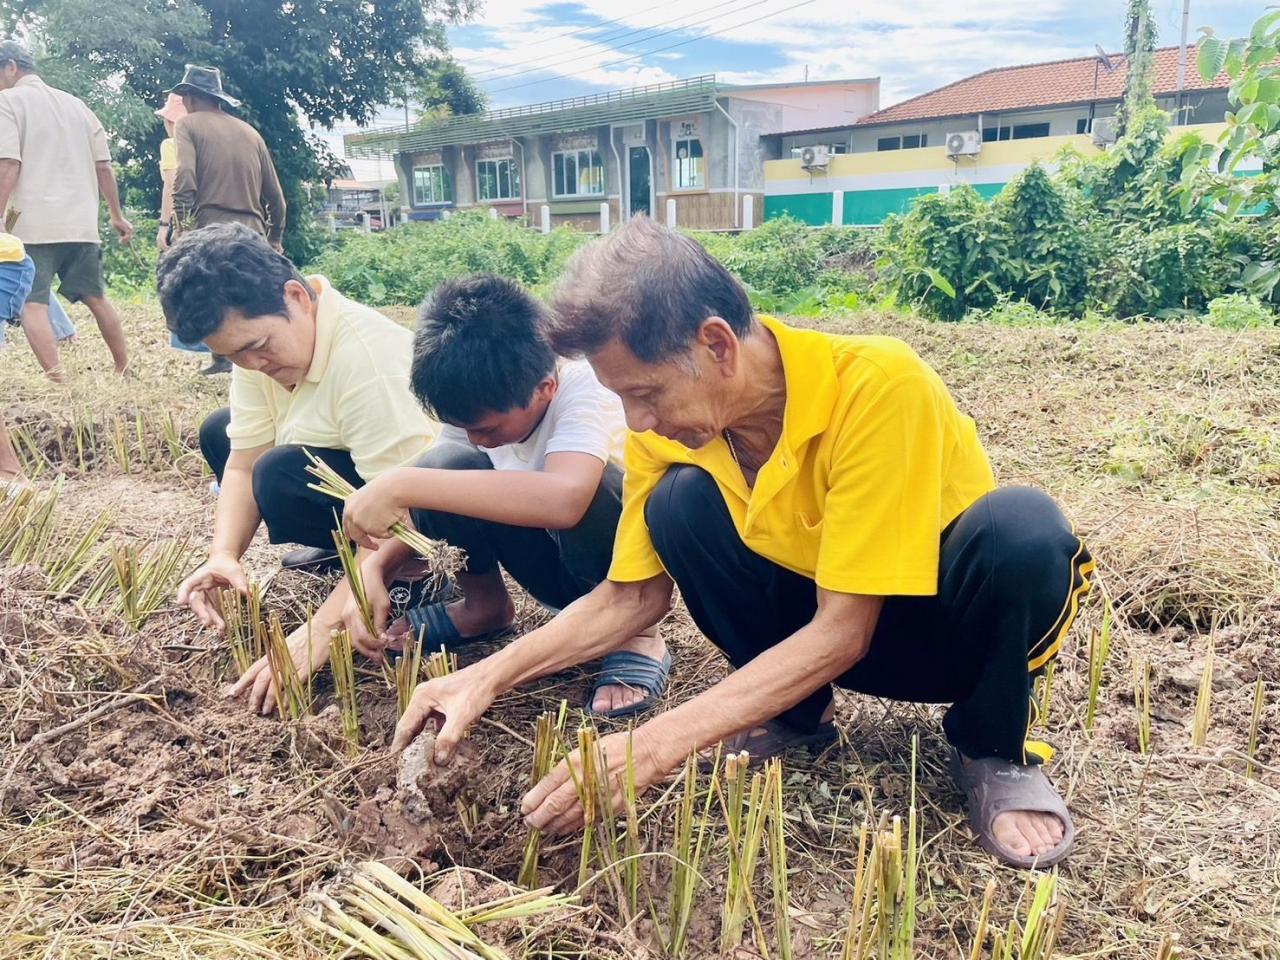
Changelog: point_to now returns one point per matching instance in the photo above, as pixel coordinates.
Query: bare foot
(616, 696)
(1027, 833)
(474, 619)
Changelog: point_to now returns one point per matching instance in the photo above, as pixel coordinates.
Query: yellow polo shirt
(355, 395)
(874, 461)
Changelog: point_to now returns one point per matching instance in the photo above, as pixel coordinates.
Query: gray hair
(18, 52)
(647, 286)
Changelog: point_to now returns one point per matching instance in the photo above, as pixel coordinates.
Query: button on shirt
(58, 141)
(355, 395)
(874, 461)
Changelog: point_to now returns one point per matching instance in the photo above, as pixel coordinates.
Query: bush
(404, 264)
(1049, 261)
(949, 254)
(1239, 311)
(130, 271)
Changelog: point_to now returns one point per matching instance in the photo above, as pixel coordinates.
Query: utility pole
(1182, 62)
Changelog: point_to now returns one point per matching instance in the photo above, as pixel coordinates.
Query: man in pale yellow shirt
(313, 370)
(54, 165)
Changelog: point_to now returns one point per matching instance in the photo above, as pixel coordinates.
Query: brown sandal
(992, 787)
(778, 737)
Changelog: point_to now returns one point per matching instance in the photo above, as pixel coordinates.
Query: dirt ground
(174, 824)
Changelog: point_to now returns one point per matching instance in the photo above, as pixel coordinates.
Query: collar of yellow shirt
(812, 392)
(328, 308)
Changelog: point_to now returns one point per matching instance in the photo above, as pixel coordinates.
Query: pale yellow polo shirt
(355, 395)
(58, 141)
(874, 461)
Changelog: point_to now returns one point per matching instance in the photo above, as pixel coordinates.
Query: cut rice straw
(333, 484)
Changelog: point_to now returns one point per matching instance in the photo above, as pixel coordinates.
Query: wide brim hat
(173, 110)
(205, 80)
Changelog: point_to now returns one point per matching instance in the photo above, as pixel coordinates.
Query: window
(838, 147)
(498, 179)
(1082, 125)
(995, 133)
(690, 173)
(430, 185)
(915, 141)
(889, 143)
(1029, 131)
(577, 173)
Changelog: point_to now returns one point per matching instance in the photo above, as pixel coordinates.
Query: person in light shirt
(313, 370)
(524, 477)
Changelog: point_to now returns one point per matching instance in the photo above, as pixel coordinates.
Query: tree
(1140, 36)
(329, 61)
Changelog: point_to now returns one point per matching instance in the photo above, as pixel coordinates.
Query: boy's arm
(554, 498)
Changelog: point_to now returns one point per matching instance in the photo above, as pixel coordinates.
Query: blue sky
(528, 51)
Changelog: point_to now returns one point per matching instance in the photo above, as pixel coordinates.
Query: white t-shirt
(583, 417)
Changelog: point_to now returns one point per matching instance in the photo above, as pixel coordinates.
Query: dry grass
(173, 824)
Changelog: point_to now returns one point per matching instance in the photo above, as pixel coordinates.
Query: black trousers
(1010, 578)
(555, 566)
(292, 512)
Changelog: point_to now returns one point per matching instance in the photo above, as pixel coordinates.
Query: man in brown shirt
(225, 173)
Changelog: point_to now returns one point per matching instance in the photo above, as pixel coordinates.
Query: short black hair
(478, 349)
(219, 268)
(647, 286)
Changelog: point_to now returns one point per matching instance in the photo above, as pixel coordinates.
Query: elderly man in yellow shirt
(313, 370)
(830, 517)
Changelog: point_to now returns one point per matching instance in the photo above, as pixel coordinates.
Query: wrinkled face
(681, 399)
(495, 429)
(279, 345)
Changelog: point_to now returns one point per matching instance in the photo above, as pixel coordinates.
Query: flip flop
(992, 787)
(440, 630)
(778, 737)
(627, 669)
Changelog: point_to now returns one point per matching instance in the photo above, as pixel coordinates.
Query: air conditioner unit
(816, 157)
(1104, 131)
(965, 143)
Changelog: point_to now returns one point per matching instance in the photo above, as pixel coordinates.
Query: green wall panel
(811, 208)
(864, 208)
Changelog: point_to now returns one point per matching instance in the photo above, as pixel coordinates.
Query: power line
(604, 23)
(638, 56)
(599, 42)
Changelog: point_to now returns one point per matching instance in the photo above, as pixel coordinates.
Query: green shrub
(949, 254)
(130, 271)
(1239, 311)
(404, 264)
(1049, 256)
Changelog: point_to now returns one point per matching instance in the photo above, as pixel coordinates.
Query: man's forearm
(521, 498)
(779, 678)
(590, 627)
(9, 170)
(236, 517)
(107, 187)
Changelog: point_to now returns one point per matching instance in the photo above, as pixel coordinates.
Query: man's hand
(454, 701)
(123, 229)
(553, 807)
(258, 686)
(370, 512)
(198, 590)
(162, 238)
(375, 591)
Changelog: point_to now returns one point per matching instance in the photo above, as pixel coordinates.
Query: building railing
(570, 103)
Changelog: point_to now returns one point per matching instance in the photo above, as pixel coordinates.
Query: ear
(718, 338)
(297, 295)
(545, 390)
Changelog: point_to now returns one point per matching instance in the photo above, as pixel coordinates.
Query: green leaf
(941, 282)
(1210, 57)
(1262, 26)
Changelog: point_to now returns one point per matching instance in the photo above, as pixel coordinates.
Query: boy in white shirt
(526, 475)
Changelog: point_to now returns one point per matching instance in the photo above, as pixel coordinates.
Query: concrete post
(546, 218)
(493, 213)
(837, 208)
(604, 217)
(671, 212)
(748, 212)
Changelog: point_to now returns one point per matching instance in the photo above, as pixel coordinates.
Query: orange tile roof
(1041, 85)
